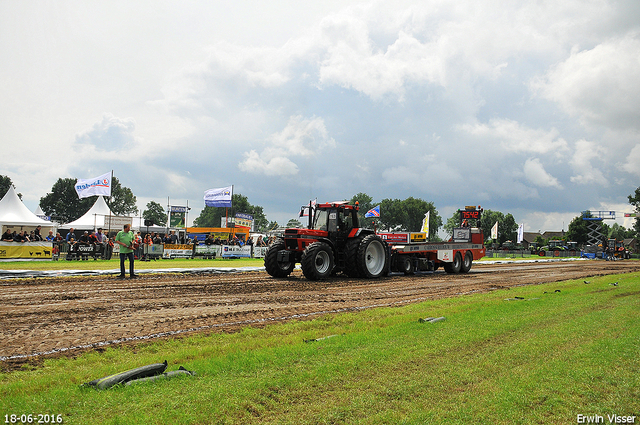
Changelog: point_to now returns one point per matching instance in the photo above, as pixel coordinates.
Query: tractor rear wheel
(468, 261)
(317, 261)
(455, 266)
(274, 267)
(351, 257)
(373, 257)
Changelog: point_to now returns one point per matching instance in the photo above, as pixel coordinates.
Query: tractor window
(321, 218)
(347, 220)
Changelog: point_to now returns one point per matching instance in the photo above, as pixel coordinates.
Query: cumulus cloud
(110, 134)
(581, 162)
(600, 85)
(632, 164)
(516, 137)
(534, 172)
(301, 137)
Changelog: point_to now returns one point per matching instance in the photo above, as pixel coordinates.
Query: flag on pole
(520, 233)
(305, 210)
(373, 212)
(220, 197)
(96, 186)
(425, 223)
(494, 231)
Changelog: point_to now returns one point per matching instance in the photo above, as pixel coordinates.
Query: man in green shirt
(125, 238)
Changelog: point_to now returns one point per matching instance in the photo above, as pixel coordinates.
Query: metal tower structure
(594, 224)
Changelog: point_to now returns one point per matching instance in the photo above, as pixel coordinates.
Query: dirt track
(69, 315)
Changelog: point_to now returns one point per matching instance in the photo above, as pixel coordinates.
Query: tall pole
(168, 214)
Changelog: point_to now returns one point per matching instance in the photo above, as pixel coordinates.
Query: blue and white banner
(96, 186)
(220, 197)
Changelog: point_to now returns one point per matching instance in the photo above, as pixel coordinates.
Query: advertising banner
(209, 250)
(177, 250)
(28, 250)
(220, 197)
(236, 251)
(100, 185)
(114, 222)
(462, 234)
(177, 217)
(259, 251)
(395, 237)
(155, 249)
(243, 222)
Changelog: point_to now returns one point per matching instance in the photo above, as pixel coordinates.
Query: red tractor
(333, 242)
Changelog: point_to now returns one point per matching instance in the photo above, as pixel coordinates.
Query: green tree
(211, 216)
(122, 200)
(63, 204)
(578, 230)
(620, 232)
(407, 215)
(294, 224)
(634, 200)
(365, 203)
(156, 213)
(5, 183)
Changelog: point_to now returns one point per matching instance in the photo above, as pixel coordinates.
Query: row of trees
(63, 204)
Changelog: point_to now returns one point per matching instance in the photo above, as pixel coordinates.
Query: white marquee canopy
(92, 219)
(14, 213)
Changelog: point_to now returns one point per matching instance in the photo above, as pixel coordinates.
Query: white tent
(14, 213)
(92, 219)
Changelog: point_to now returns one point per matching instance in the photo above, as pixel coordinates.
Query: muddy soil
(48, 317)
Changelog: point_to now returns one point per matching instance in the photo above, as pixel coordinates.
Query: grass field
(565, 349)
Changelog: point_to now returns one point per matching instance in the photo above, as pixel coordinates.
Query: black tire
(274, 267)
(455, 265)
(373, 257)
(405, 263)
(467, 263)
(317, 261)
(351, 257)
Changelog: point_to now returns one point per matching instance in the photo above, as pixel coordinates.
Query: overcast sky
(525, 107)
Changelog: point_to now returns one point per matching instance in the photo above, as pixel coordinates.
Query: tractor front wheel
(274, 267)
(317, 261)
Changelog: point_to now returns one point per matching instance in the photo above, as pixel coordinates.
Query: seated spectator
(73, 245)
(7, 236)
